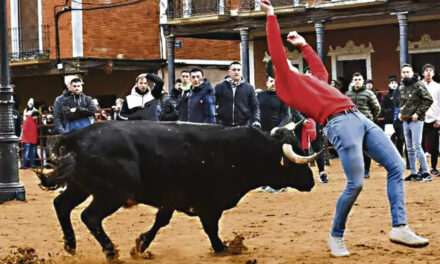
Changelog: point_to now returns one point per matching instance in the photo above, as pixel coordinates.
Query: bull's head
(288, 139)
(295, 171)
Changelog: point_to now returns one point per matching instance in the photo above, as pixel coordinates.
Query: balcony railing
(250, 5)
(191, 8)
(28, 43)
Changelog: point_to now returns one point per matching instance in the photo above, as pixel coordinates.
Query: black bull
(200, 170)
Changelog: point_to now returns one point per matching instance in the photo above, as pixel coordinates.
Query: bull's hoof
(220, 249)
(70, 249)
(135, 254)
(115, 261)
(112, 256)
(139, 244)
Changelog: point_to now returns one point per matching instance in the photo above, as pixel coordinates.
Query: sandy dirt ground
(289, 227)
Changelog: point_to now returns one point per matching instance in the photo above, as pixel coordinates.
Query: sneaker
(412, 177)
(404, 236)
(282, 190)
(367, 175)
(270, 189)
(323, 177)
(435, 172)
(263, 189)
(337, 247)
(424, 177)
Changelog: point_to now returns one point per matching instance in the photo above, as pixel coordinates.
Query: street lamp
(10, 188)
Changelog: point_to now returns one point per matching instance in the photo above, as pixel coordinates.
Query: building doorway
(346, 69)
(420, 59)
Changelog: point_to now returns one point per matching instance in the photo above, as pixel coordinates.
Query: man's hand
(400, 117)
(296, 39)
(415, 117)
(437, 124)
(73, 110)
(267, 7)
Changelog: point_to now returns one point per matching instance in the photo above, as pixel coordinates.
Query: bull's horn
(295, 158)
(291, 126)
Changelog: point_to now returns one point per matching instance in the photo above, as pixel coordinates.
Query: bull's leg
(64, 204)
(210, 225)
(163, 217)
(92, 216)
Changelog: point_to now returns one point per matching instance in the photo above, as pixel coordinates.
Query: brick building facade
(109, 47)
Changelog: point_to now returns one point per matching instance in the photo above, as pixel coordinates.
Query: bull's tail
(60, 174)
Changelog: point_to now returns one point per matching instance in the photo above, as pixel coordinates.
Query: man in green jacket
(414, 100)
(366, 101)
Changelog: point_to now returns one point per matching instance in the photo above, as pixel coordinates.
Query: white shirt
(433, 113)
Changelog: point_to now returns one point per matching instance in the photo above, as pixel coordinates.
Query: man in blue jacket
(236, 100)
(200, 100)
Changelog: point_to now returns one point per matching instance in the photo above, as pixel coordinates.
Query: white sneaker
(337, 247)
(404, 236)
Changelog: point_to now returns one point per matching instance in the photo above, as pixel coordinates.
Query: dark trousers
(430, 142)
(367, 164)
(316, 146)
(399, 139)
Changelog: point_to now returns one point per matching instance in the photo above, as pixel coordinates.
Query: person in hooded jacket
(236, 100)
(414, 102)
(273, 111)
(79, 109)
(170, 105)
(29, 137)
(367, 103)
(59, 119)
(390, 110)
(200, 101)
(144, 101)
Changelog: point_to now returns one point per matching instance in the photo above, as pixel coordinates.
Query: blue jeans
(413, 132)
(29, 155)
(347, 133)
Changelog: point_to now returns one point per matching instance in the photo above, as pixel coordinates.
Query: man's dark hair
(234, 63)
(392, 78)
(406, 65)
(369, 81)
(178, 80)
(356, 74)
(184, 71)
(74, 80)
(196, 70)
(269, 69)
(427, 66)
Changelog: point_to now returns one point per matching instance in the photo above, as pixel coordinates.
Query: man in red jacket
(346, 128)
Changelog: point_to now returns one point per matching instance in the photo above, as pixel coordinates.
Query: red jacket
(30, 131)
(312, 96)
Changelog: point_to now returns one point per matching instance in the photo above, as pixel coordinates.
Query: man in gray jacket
(366, 101)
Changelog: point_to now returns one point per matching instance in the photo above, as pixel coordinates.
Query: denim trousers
(29, 155)
(413, 132)
(348, 132)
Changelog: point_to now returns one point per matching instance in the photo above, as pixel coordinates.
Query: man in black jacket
(144, 101)
(273, 112)
(170, 105)
(73, 105)
(236, 100)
